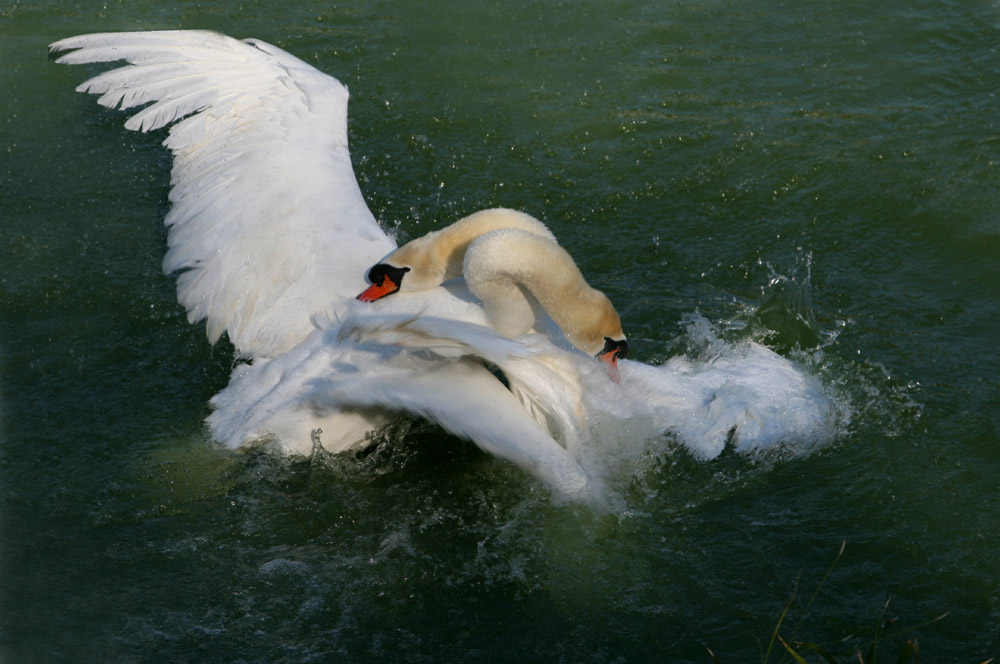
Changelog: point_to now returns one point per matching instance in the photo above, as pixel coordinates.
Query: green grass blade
(829, 571)
(774, 634)
(796, 656)
(816, 648)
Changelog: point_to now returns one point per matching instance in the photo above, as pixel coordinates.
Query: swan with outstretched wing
(271, 240)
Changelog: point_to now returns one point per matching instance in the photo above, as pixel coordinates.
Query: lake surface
(821, 177)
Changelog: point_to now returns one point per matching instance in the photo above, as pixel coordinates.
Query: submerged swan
(271, 240)
(505, 256)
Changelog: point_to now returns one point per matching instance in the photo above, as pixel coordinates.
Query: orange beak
(613, 351)
(610, 360)
(379, 290)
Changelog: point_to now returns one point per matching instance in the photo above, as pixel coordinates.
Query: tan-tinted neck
(585, 315)
(439, 255)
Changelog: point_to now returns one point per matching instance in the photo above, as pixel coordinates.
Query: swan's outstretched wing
(268, 224)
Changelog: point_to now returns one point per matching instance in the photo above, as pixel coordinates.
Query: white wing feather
(268, 226)
(335, 382)
(447, 393)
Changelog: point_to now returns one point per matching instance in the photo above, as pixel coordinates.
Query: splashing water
(740, 394)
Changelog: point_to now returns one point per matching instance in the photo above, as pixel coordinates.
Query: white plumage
(267, 225)
(270, 239)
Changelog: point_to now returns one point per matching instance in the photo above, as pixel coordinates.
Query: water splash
(785, 312)
(716, 395)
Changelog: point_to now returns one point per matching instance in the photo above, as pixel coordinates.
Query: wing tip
(97, 40)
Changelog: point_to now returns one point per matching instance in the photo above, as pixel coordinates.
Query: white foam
(737, 393)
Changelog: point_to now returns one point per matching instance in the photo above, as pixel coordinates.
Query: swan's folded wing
(546, 381)
(268, 225)
(465, 399)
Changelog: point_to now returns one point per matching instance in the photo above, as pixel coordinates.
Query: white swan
(514, 265)
(386, 358)
(271, 240)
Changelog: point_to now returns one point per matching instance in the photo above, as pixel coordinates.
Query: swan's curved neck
(439, 255)
(513, 263)
(498, 265)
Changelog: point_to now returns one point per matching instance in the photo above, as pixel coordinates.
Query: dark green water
(820, 176)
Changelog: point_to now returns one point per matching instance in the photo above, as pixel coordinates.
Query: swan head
(422, 271)
(591, 323)
(385, 279)
(425, 262)
(613, 350)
